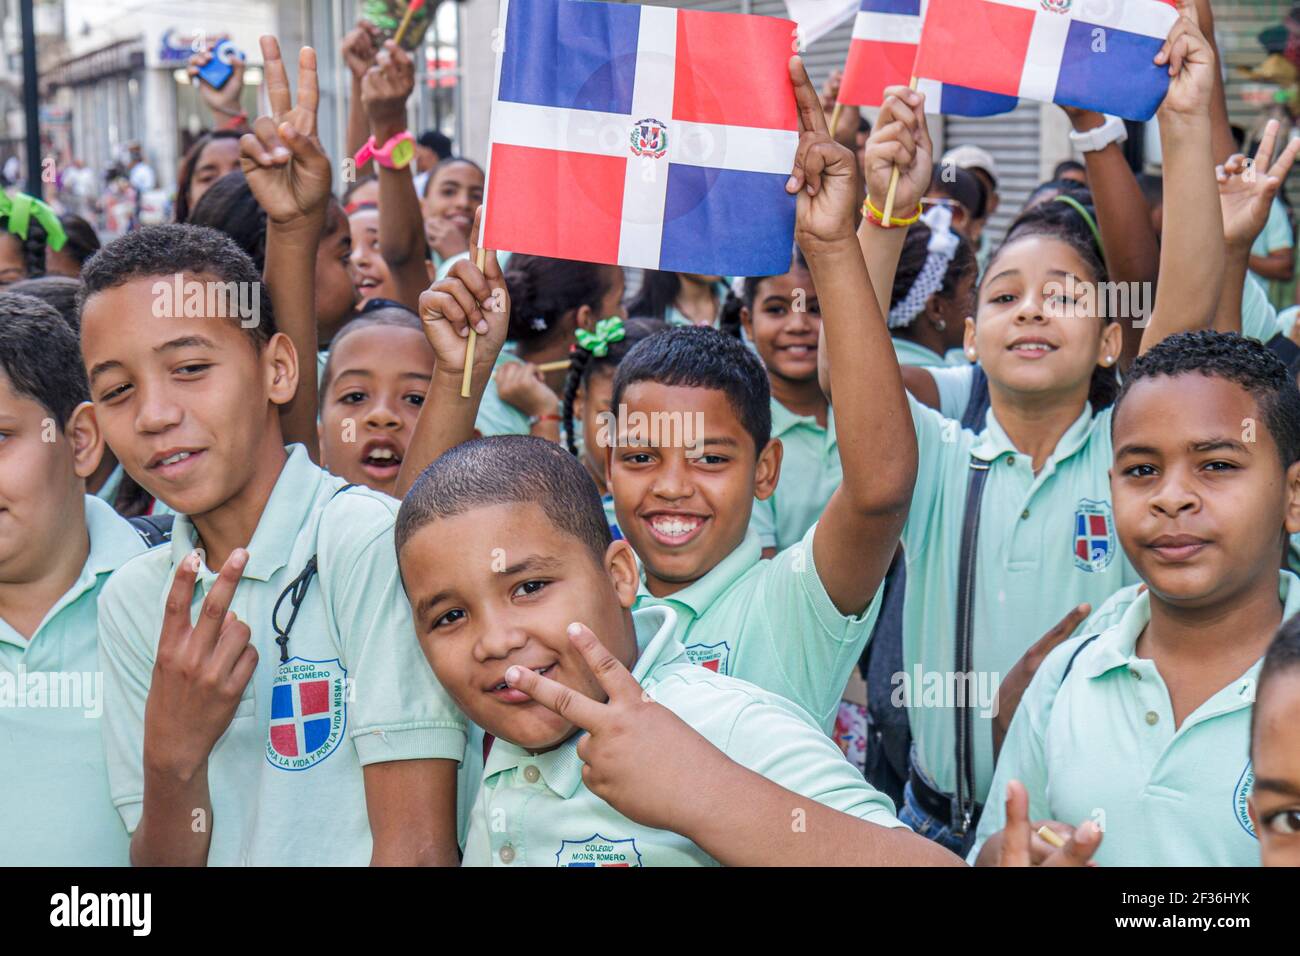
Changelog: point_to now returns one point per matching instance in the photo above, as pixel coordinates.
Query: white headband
(942, 247)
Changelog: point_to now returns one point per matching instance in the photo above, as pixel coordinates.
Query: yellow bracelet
(875, 215)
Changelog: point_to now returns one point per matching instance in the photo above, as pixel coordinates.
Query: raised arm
(359, 48)
(1192, 254)
(385, 89)
(289, 175)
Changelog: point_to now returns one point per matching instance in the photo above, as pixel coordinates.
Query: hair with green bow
(598, 341)
(20, 209)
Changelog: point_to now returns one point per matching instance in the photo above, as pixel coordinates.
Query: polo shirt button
(1135, 672)
(1152, 717)
(1011, 459)
(507, 854)
(532, 774)
(1024, 514)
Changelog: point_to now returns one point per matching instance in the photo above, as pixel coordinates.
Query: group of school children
(273, 591)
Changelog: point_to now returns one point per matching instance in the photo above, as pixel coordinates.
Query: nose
(155, 412)
(1174, 495)
(382, 414)
(672, 480)
(498, 639)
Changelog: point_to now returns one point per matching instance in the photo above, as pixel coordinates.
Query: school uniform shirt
(286, 777)
(1046, 543)
(675, 316)
(108, 491)
(533, 809)
(909, 353)
(810, 473)
(495, 415)
(1099, 742)
(444, 266)
(1275, 236)
(54, 797)
(771, 623)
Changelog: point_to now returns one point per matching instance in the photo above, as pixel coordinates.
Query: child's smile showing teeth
(172, 462)
(381, 458)
(674, 529)
(509, 695)
(1031, 348)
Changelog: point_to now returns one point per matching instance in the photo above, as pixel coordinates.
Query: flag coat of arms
(643, 136)
(308, 713)
(1093, 54)
(1094, 535)
(882, 53)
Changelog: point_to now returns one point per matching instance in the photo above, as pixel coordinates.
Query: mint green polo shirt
(810, 473)
(108, 491)
(54, 798)
(771, 623)
(444, 266)
(286, 777)
(675, 316)
(1046, 543)
(1100, 742)
(534, 810)
(909, 353)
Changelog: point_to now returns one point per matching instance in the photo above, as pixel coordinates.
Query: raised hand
(385, 88)
(899, 138)
(467, 296)
(520, 384)
(225, 101)
(1022, 846)
(639, 756)
(1247, 187)
(1191, 63)
(360, 46)
(824, 174)
(282, 159)
(200, 671)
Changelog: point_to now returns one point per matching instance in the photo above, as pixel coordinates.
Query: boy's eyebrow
(102, 367)
(186, 342)
(1283, 787)
(533, 562)
(1217, 444)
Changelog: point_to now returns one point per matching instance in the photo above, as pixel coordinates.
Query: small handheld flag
(882, 52)
(643, 136)
(1095, 56)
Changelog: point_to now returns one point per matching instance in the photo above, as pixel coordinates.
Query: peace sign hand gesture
(282, 159)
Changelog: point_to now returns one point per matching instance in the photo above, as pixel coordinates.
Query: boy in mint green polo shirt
(1145, 727)
(58, 547)
(503, 547)
(280, 712)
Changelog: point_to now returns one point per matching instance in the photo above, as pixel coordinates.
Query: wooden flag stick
(480, 261)
(835, 117)
(411, 9)
(553, 366)
(893, 182)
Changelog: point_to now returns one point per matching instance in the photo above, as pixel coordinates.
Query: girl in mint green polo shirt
(1046, 536)
(550, 299)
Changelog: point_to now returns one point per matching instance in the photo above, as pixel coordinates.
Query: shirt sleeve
(774, 742)
(1023, 755)
(763, 522)
(953, 384)
(1258, 317)
(937, 438)
(126, 657)
(399, 711)
(812, 646)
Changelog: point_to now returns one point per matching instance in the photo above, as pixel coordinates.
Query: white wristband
(1090, 141)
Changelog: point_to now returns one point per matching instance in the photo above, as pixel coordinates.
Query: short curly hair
(1237, 359)
(1282, 656)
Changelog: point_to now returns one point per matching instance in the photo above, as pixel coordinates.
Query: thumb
(1079, 849)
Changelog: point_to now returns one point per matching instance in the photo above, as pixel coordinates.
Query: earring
(940, 325)
(1110, 360)
(970, 354)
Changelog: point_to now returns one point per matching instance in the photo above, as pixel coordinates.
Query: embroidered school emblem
(309, 713)
(710, 656)
(649, 138)
(1094, 535)
(597, 850)
(1056, 6)
(1240, 795)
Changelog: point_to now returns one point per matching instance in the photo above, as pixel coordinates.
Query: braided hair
(33, 247)
(584, 364)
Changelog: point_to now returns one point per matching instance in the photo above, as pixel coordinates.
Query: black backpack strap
(1077, 651)
(977, 406)
(296, 592)
(153, 529)
(963, 801)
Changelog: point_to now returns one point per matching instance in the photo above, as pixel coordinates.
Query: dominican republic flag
(643, 136)
(1093, 54)
(882, 53)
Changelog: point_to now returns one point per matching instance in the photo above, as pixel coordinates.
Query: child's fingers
(615, 679)
(1016, 832)
(213, 613)
(176, 612)
(242, 671)
(491, 264)
(568, 703)
(1267, 143)
(1078, 850)
(459, 312)
(474, 280)
(275, 77)
(273, 152)
(308, 88)
(233, 638)
(809, 105)
(1283, 165)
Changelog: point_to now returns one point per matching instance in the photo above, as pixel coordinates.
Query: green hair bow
(607, 331)
(20, 209)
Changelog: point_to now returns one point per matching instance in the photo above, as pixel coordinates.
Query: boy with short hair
(295, 721)
(1145, 727)
(58, 547)
(1274, 803)
(505, 552)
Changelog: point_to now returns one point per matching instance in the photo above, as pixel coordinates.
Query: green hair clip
(598, 342)
(1087, 218)
(19, 210)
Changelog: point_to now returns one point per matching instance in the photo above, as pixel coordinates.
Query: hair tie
(939, 252)
(19, 211)
(597, 342)
(1087, 217)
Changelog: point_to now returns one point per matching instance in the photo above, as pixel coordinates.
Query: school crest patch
(597, 850)
(309, 712)
(1245, 783)
(1094, 535)
(649, 138)
(710, 656)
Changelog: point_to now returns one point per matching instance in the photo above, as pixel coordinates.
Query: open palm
(1247, 188)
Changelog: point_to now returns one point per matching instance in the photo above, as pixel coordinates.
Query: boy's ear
(1292, 514)
(747, 321)
(87, 441)
(620, 564)
(280, 361)
(768, 469)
